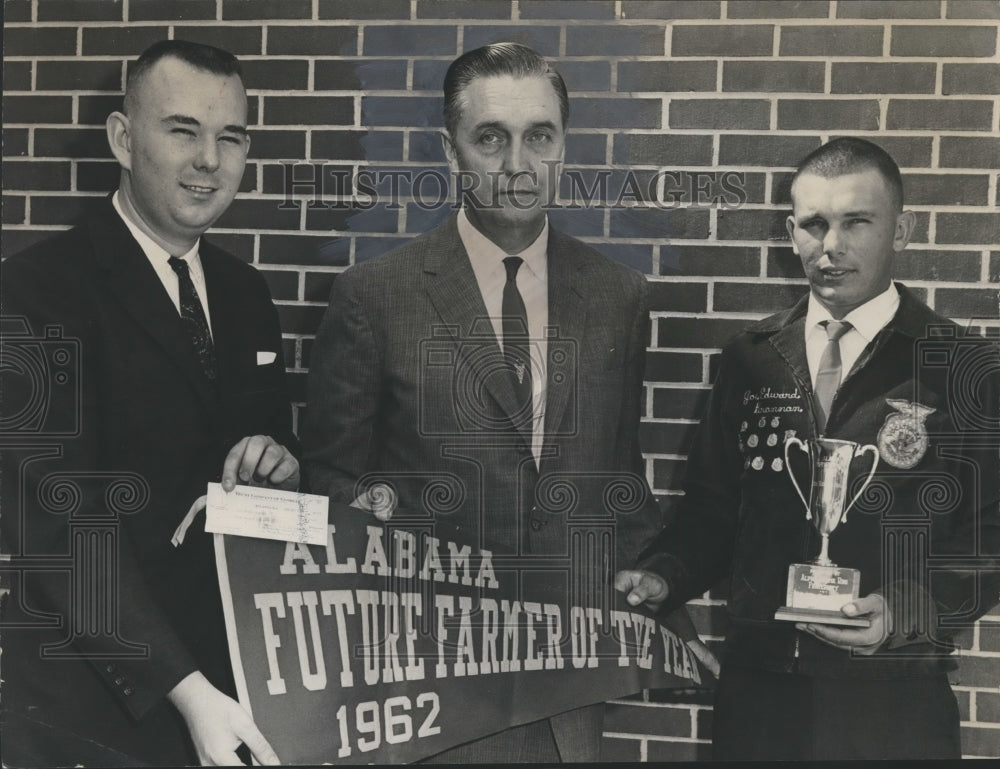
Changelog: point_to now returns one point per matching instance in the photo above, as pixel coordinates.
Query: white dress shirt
(533, 283)
(160, 260)
(866, 321)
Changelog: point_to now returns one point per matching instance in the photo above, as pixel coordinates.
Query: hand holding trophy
(817, 590)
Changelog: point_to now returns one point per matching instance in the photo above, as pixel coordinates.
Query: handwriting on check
(253, 511)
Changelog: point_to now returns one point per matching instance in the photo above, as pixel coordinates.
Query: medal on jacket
(519, 369)
(903, 439)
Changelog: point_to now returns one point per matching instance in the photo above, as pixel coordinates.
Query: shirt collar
(486, 253)
(867, 320)
(153, 250)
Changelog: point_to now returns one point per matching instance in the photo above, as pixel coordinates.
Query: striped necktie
(193, 317)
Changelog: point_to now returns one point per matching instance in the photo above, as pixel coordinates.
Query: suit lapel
(454, 292)
(224, 308)
(132, 280)
(790, 342)
(567, 315)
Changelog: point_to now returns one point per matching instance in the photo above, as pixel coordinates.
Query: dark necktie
(830, 369)
(193, 317)
(515, 338)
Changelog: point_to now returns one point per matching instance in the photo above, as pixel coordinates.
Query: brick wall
(697, 89)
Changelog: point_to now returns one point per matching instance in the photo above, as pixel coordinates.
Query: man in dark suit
(490, 372)
(172, 353)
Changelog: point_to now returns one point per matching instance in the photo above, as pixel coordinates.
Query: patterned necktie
(193, 317)
(830, 369)
(515, 338)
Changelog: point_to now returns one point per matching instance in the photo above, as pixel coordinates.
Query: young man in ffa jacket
(164, 372)
(860, 359)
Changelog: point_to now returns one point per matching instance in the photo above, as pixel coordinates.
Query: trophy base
(817, 593)
(820, 617)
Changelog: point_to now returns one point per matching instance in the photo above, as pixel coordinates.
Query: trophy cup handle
(788, 466)
(869, 448)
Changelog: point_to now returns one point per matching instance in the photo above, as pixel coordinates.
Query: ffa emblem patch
(903, 440)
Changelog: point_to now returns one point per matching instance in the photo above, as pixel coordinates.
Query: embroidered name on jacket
(767, 400)
(769, 417)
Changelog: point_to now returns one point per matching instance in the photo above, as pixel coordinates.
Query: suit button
(128, 691)
(119, 680)
(110, 668)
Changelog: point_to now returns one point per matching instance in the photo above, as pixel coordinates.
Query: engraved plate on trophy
(818, 590)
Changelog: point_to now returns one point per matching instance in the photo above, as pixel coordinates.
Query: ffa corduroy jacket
(924, 533)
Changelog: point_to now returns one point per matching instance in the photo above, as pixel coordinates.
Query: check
(255, 511)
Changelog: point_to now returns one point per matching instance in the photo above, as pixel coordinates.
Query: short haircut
(848, 155)
(204, 57)
(494, 60)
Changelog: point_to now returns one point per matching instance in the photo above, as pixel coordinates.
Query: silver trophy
(818, 590)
